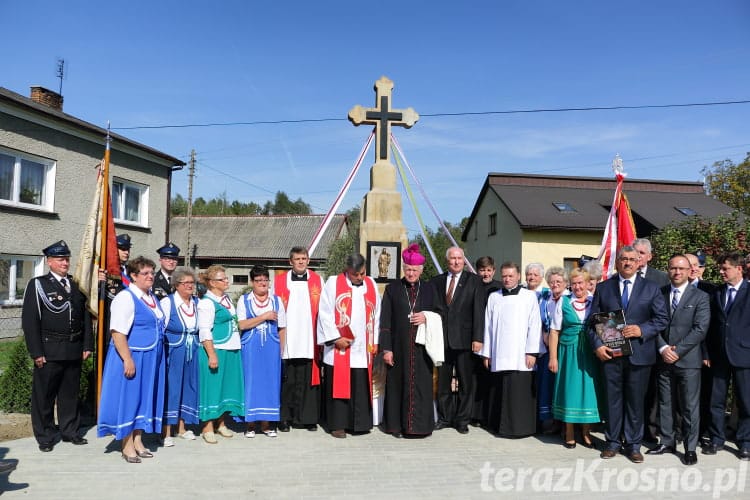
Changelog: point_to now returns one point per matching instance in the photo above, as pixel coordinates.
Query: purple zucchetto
(412, 256)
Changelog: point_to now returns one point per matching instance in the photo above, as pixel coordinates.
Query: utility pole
(191, 175)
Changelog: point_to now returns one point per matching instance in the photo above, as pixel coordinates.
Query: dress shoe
(588, 443)
(463, 429)
(570, 445)
(635, 457)
(660, 450)
(442, 424)
(284, 426)
(605, 454)
(210, 437)
(77, 440)
(340, 434)
(144, 454)
(691, 458)
(224, 431)
(131, 460)
(397, 434)
(744, 454)
(46, 447)
(312, 427)
(711, 449)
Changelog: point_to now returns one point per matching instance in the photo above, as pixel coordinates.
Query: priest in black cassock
(409, 409)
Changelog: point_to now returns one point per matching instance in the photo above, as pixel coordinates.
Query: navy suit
(626, 378)
(728, 344)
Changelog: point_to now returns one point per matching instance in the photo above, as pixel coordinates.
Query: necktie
(169, 280)
(675, 299)
(625, 293)
(451, 286)
(730, 298)
(65, 284)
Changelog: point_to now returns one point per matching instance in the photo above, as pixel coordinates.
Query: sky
(141, 64)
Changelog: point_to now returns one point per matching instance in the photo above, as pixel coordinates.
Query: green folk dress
(574, 398)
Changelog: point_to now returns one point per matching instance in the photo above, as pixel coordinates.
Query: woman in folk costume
(409, 409)
(263, 323)
(545, 380)
(181, 317)
(132, 398)
(574, 398)
(220, 365)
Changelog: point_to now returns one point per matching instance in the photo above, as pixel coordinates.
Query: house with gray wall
(48, 162)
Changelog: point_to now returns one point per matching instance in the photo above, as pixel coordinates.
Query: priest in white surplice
(348, 327)
(512, 342)
(299, 290)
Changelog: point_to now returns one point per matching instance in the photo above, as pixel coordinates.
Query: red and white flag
(620, 228)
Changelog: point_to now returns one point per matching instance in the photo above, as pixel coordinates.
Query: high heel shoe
(131, 460)
(568, 445)
(588, 442)
(144, 454)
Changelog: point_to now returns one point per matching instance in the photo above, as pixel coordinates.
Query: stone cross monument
(381, 218)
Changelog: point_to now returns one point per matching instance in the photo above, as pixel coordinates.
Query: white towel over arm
(430, 335)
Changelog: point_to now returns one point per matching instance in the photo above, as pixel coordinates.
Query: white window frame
(143, 193)
(48, 189)
(38, 262)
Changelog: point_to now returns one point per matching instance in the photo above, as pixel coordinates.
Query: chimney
(47, 97)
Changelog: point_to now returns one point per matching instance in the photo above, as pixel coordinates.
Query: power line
(433, 115)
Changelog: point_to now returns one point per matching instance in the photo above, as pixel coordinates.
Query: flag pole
(104, 210)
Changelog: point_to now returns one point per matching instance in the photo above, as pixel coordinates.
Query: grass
(6, 348)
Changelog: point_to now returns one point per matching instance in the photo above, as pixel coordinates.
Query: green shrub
(15, 382)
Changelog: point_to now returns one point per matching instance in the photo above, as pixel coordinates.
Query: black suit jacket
(463, 319)
(688, 326)
(646, 308)
(45, 320)
(659, 277)
(729, 335)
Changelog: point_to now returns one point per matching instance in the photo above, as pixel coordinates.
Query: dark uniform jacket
(56, 324)
(161, 287)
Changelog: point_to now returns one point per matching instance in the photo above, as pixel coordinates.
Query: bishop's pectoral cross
(382, 116)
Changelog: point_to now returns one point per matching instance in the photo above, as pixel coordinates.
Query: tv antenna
(60, 72)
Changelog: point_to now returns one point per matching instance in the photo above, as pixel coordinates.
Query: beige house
(47, 184)
(554, 220)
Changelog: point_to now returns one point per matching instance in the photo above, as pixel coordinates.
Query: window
(130, 202)
(564, 207)
(686, 211)
(15, 273)
(493, 224)
(26, 181)
(240, 279)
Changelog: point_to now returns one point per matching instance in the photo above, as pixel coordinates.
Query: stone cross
(382, 116)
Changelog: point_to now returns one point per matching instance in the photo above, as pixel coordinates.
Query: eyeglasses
(186, 283)
(146, 273)
(261, 280)
(225, 279)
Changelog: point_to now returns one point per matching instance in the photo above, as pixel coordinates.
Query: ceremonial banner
(620, 228)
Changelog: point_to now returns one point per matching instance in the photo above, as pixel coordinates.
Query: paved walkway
(303, 464)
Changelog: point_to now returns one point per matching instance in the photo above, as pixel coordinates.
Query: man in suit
(729, 354)
(625, 377)
(679, 370)
(168, 255)
(643, 247)
(58, 332)
(461, 300)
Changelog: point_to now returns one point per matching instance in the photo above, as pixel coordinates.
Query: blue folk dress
(261, 364)
(574, 398)
(182, 365)
(137, 403)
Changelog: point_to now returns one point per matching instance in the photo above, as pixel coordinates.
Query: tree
(726, 233)
(220, 205)
(342, 247)
(729, 183)
(283, 205)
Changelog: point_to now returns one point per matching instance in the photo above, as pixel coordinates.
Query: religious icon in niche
(383, 260)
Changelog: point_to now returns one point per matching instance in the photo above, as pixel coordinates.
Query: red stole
(314, 286)
(341, 360)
